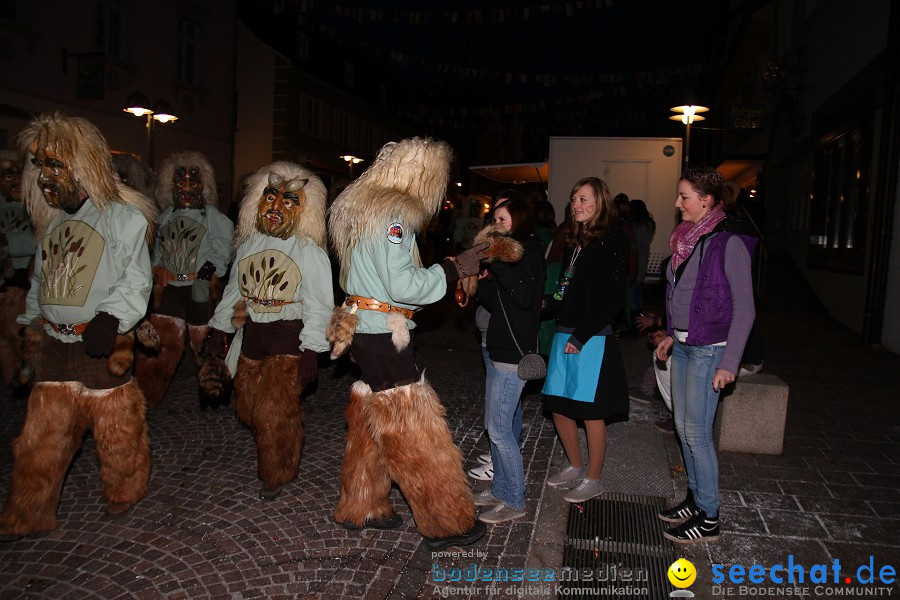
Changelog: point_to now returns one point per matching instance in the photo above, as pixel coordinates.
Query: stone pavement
(201, 531)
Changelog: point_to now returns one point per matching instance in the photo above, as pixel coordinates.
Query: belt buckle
(262, 302)
(182, 277)
(67, 329)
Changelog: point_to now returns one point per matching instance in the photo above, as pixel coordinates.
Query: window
(314, 117)
(302, 47)
(839, 206)
(348, 74)
(12, 11)
(342, 125)
(109, 28)
(188, 51)
(366, 137)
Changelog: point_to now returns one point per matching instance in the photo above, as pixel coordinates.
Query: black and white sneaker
(680, 512)
(698, 528)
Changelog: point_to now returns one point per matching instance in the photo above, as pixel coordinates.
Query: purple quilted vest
(711, 301)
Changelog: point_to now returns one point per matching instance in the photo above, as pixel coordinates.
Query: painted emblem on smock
(395, 233)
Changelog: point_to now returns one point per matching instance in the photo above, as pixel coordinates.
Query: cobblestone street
(202, 531)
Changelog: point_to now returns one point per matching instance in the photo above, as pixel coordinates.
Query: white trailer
(643, 168)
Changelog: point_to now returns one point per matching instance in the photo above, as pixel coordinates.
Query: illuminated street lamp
(687, 115)
(138, 105)
(351, 160)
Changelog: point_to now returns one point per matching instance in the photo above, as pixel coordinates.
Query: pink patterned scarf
(685, 236)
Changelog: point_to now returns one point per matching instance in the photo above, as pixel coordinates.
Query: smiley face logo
(682, 573)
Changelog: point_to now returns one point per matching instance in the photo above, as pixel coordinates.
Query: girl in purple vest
(709, 304)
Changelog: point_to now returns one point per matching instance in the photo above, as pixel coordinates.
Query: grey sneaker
(500, 513)
(568, 475)
(485, 458)
(486, 498)
(587, 489)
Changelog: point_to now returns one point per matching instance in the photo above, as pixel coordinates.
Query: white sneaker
(748, 369)
(482, 472)
(500, 513)
(485, 458)
(486, 498)
(568, 475)
(587, 489)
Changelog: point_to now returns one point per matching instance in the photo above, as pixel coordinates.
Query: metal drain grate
(614, 547)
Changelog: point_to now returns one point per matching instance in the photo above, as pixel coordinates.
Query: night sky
(595, 67)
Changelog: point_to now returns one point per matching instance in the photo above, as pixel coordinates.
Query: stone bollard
(751, 415)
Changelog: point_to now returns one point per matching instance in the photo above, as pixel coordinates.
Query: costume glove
(206, 271)
(309, 368)
(216, 343)
(468, 262)
(100, 335)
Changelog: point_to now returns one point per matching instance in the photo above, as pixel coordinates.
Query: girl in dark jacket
(586, 377)
(512, 293)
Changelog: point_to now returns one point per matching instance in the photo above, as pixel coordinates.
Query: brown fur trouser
(58, 415)
(12, 304)
(267, 398)
(154, 372)
(401, 434)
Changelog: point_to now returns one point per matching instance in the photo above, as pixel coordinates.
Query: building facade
(87, 58)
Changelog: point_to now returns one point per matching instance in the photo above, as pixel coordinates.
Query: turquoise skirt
(589, 385)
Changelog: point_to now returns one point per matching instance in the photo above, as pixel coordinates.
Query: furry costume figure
(192, 250)
(16, 252)
(90, 287)
(278, 299)
(396, 425)
(134, 173)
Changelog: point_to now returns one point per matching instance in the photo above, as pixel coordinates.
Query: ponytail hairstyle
(706, 181)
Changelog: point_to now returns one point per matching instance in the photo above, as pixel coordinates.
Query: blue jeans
(694, 404)
(503, 421)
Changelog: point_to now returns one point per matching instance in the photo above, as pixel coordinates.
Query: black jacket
(521, 287)
(597, 291)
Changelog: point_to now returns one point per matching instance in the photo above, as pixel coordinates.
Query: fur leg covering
(196, 337)
(12, 304)
(9, 366)
(365, 483)
(123, 445)
(154, 371)
(267, 397)
(31, 352)
(340, 331)
(408, 425)
(50, 436)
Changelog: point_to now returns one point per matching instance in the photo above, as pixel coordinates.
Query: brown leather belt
(264, 302)
(74, 329)
(372, 304)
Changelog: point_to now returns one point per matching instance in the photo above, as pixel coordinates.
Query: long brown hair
(605, 213)
(521, 217)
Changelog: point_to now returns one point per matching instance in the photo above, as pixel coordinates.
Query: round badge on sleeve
(395, 233)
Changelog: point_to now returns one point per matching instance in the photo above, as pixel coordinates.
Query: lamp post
(351, 160)
(138, 105)
(687, 115)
